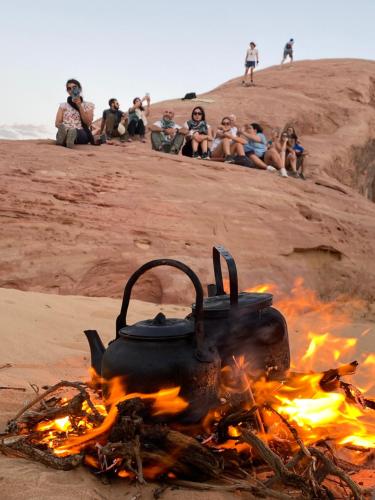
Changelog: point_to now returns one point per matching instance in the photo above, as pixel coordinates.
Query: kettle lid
(159, 328)
(250, 301)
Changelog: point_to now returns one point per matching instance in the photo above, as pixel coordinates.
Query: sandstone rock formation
(80, 221)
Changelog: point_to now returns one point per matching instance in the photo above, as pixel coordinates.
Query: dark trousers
(111, 127)
(136, 127)
(171, 147)
(82, 137)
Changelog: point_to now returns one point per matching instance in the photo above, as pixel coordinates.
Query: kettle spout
(97, 350)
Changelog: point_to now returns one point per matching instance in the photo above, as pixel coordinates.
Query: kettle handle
(199, 331)
(217, 252)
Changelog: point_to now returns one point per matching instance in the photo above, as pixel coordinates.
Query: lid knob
(159, 319)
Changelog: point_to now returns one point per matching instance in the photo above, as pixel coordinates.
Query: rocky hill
(80, 221)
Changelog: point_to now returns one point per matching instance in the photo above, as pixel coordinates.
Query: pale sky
(125, 48)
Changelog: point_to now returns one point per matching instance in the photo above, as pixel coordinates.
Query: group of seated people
(246, 145)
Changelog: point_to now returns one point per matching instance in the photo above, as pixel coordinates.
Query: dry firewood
(233, 419)
(330, 380)
(331, 469)
(258, 490)
(80, 386)
(292, 430)
(22, 449)
(73, 408)
(275, 462)
(355, 395)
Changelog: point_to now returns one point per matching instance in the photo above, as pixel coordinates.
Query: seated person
(166, 135)
(226, 144)
(74, 118)
(295, 154)
(256, 150)
(199, 135)
(138, 118)
(233, 124)
(111, 120)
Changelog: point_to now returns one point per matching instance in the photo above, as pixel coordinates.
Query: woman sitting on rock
(295, 153)
(227, 144)
(199, 135)
(138, 118)
(74, 118)
(256, 150)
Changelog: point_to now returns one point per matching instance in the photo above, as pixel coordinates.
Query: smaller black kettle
(244, 324)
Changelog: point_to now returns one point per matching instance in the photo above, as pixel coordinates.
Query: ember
(306, 429)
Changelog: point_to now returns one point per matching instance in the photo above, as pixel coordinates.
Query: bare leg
(291, 161)
(204, 145)
(245, 75)
(218, 152)
(273, 158)
(258, 162)
(194, 145)
(237, 149)
(251, 74)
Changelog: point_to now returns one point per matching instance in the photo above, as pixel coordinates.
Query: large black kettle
(244, 324)
(162, 352)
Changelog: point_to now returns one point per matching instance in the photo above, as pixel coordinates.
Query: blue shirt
(259, 148)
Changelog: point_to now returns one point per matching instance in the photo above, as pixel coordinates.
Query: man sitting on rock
(114, 121)
(166, 135)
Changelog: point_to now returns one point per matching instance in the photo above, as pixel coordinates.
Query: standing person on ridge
(251, 60)
(288, 50)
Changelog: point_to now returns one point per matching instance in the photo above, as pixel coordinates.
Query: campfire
(302, 435)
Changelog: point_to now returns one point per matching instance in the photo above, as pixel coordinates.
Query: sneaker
(301, 176)
(205, 156)
(283, 172)
(61, 135)
(294, 174)
(71, 136)
(196, 155)
(229, 159)
(270, 168)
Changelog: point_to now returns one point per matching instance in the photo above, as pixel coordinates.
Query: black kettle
(162, 352)
(244, 324)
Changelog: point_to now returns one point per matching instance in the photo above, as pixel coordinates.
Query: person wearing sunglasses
(227, 144)
(74, 118)
(199, 134)
(166, 135)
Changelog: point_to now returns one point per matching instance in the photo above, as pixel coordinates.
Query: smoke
(25, 131)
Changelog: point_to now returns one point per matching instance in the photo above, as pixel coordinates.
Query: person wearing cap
(114, 121)
(288, 50)
(166, 135)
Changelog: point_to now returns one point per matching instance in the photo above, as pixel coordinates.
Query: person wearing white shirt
(251, 60)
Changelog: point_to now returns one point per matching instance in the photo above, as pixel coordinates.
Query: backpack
(189, 95)
(288, 46)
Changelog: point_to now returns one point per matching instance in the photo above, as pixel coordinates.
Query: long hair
(138, 99)
(201, 110)
(75, 82)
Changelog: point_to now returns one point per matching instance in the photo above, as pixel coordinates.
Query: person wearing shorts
(288, 51)
(251, 60)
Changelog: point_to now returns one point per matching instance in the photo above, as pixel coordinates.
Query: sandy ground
(42, 339)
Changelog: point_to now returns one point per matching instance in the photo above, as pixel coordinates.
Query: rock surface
(80, 221)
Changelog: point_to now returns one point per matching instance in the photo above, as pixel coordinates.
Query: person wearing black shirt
(112, 119)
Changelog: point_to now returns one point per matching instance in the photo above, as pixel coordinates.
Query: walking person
(288, 51)
(251, 60)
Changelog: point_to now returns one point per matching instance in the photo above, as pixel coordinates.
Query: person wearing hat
(114, 121)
